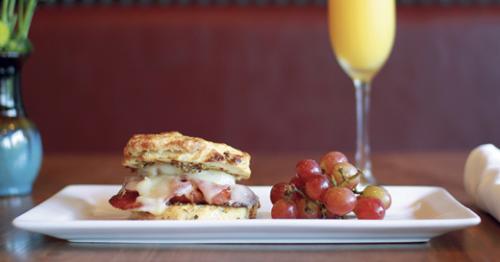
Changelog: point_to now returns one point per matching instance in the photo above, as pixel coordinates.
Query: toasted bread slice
(199, 212)
(185, 152)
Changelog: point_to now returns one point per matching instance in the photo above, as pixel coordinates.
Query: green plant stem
(11, 16)
(5, 5)
(20, 14)
(12, 5)
(30, 10)
(17, 15)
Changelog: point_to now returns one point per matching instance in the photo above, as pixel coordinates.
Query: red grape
(307, 168)
(339, 201)
(369, 208)
(284, 209)
(345, 175)
(379, 193)
(330, 159)
(308, 209)
(284, 191)
(298, 183)
(316, 186)
(329, 215)
(327, 190)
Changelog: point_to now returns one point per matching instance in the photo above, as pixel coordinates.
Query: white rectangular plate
(81, 213)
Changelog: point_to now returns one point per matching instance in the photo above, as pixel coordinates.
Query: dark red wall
(263, 79)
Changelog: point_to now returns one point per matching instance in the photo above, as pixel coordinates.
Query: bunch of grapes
(328, 190)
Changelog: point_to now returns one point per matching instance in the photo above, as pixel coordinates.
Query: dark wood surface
(478, 243)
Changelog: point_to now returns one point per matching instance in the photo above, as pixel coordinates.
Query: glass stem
(362, 156)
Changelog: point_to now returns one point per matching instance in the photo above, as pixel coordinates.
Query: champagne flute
(362, 35)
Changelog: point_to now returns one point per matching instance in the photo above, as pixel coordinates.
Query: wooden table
(480, 243)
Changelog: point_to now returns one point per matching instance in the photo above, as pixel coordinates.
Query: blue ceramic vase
(20, 142)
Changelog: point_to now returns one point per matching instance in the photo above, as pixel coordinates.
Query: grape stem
(295, 189)
(334, 182)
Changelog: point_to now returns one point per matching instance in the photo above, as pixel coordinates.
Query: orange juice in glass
(362, 34)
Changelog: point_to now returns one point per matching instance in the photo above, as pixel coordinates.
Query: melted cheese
(161, 182)
(155, 206)
(242, 195)
(159, 169)
(213, 176)
(216, 177)
(154, 193)
(155, 187)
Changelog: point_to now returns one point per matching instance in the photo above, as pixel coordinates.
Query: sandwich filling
(159, 185)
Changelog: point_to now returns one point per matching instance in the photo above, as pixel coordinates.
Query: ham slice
(153, 194)
(125, 199)
(212, 192)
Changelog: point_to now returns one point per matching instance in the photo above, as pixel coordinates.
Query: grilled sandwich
(180, 177)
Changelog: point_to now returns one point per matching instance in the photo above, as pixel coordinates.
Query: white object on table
(81, 213)
(482, 178)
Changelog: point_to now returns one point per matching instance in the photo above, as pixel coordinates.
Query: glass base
(367, 179)
(15, 190)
